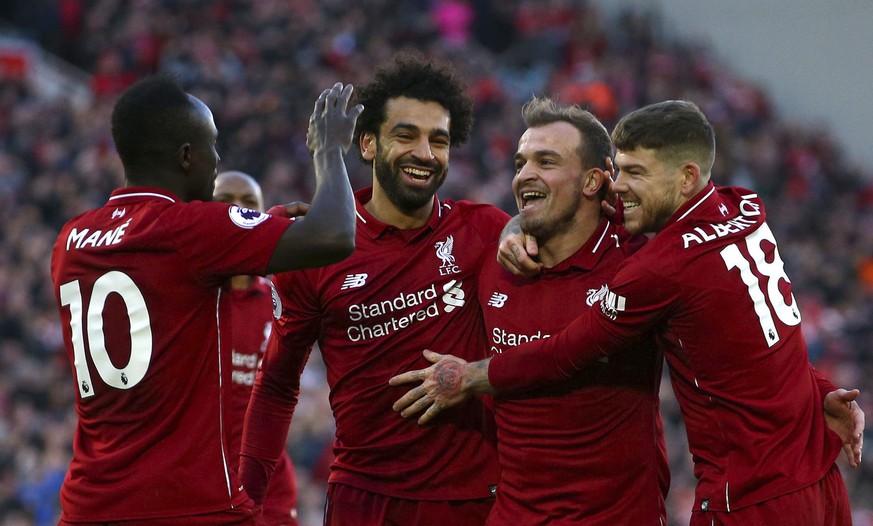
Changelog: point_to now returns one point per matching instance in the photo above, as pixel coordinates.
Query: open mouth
(629, 205)
(530, 198)
(418, 174)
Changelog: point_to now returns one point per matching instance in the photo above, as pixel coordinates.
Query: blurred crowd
(260, 64)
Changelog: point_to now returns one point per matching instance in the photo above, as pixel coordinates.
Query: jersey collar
(589, 254)
(376, 229)
(141, 192)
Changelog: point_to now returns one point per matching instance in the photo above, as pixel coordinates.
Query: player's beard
(551, 221)
(406, 198)
(656, 211)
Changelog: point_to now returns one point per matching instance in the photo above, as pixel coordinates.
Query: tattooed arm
(445, 384)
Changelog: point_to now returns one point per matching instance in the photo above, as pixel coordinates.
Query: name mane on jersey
(703, 234)
(423, 301)
(97, 238)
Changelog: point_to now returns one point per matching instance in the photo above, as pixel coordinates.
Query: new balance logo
(354, 281)
(119, 212)
(497, 300)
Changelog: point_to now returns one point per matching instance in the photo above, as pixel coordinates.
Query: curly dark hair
(412, 75)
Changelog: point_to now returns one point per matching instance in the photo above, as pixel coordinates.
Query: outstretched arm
(845, 418)
(445, 384)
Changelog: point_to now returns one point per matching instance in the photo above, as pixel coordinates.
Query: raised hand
(331, 125)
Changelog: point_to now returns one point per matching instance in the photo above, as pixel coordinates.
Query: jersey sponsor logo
(382, 318)
(246, 217)
(444, 252)
(612, 304)
(501, 338)
(595, 295)
(454, 295)
(498, 300)
(98, 238)
(354, 281)
(119, 213)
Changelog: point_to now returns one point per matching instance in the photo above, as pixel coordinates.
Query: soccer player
(142, 290)
(411, 283)
(712, 284)
(251, 308)
(589, 450)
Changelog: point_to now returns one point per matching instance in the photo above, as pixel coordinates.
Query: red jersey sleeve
(596, 333)
(277, 386)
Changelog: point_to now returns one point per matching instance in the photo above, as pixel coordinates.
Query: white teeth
(415, 172)
(628, 205)
(533, 195)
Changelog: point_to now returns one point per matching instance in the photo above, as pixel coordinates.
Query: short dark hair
(677, 129)
(411, 75)
(151, 119)
(595, 145)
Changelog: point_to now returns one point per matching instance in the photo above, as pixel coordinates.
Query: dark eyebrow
(413, 128)
(539, 154)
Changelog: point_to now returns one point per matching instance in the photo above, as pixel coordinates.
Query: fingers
(320, 104)
(409, 399)
(430, 414)
(408, 377)
(433, 357)
(296, 209)
(530, 246)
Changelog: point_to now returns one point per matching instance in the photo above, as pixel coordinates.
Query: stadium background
(260, 65)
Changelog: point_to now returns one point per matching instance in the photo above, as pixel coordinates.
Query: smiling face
(650, 190)
(411, 154)
(548, 179)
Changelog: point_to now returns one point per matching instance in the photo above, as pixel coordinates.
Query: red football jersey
(252, 320)
(713, 286)
(141, 285)
(401, 291)
(591, 449)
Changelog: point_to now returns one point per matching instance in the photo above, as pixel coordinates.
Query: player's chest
(441, 267)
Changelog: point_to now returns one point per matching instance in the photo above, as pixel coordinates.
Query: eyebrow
(412, 127)
(540, 154)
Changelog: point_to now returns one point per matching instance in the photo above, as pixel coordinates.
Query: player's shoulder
(474, 214)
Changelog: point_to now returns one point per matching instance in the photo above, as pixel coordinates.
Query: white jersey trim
(702, 199)
(602, 236)
(221, 400)
(143, 194)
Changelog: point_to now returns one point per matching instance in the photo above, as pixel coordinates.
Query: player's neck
(562, 245)
(385, 211)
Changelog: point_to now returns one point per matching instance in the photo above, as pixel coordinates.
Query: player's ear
(690, 179)
(368, 146)
(183, 155)
(593, 181)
